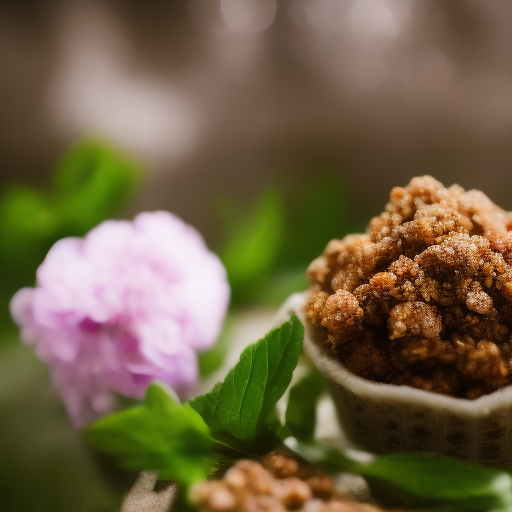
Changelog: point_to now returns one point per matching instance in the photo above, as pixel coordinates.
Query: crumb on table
(278, 483)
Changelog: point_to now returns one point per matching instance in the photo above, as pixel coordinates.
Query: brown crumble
(424, 298)
(278, 483)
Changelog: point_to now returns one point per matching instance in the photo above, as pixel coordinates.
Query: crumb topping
(278, 483)
(424, 298)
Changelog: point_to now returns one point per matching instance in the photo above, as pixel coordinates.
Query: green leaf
(420, 479)
(237, 409)
(302, 401)
(317, 211)
(161, 435)
(90, 184)
(429, 479)
(26, 222)
(253, 240)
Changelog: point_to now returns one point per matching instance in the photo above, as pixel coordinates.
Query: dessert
(411, 325)
(424, 298)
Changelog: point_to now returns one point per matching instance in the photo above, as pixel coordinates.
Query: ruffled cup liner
(385, 418)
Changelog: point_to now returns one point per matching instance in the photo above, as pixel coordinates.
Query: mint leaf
(237, 409)
(302, 401)
(420, 479)
(161, 435)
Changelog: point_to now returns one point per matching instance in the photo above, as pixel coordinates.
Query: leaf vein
(245, 391)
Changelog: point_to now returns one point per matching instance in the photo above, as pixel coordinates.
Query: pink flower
(130, 302)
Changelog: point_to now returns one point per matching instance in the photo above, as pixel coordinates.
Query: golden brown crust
(424, 298)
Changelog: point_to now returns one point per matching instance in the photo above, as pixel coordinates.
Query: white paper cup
(385, 418)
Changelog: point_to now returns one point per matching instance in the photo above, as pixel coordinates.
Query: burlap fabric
(142, 497)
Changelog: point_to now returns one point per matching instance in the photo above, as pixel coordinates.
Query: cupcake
(412, 323)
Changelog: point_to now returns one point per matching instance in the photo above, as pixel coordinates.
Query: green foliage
(237, 419)
(276, 287)
(237, 410)
(436, 480)
(253, 240)
(161, 435)
(421, 479)
(182, 442)
(302, 402)
(317, 211)
(267, 247)
(90, 184)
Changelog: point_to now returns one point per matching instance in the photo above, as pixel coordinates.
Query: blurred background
(271, 126)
